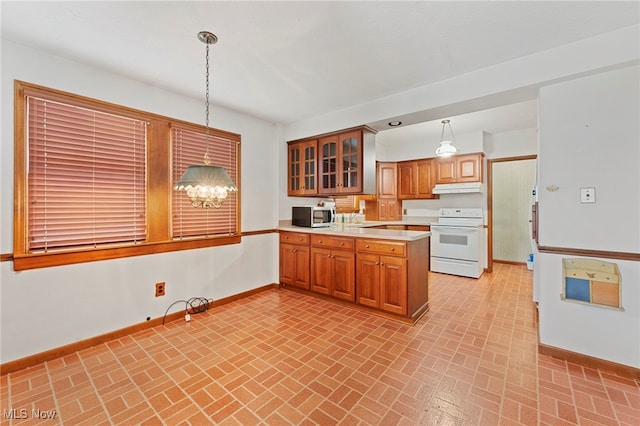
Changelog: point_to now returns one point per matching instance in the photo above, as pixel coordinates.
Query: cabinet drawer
(332, 242)
(418, 228)
(394, 248)
(294, 238)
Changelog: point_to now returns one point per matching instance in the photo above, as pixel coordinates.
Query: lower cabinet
(333, 273)
(387, 275)
(393, 276)
(294, 259)
(381, 282)
(333, 267)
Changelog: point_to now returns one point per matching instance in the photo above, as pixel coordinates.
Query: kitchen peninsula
(382, 270)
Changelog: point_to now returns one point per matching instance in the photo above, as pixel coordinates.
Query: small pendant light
(446, 149)
(206, 185)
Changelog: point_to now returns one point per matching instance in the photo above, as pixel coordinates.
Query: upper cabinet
(343, 163)
(385, 205)
(416, 179)
(302, 175)
(347, 163)
(387, 175)
(459, 168)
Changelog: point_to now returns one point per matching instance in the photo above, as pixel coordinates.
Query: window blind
(86, 177)
(188, 148)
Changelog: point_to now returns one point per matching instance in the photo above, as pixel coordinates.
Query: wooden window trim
(159, 185)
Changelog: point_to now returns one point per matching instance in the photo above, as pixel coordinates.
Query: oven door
(455, 242)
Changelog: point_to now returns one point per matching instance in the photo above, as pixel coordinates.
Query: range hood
(459, 188)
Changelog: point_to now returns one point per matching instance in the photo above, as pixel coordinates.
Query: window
(86, 177)
(188, 148)
(94, 181)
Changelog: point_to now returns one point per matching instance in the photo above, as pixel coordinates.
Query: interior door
(512, 181)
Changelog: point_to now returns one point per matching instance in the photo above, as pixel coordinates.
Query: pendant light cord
(206, 107)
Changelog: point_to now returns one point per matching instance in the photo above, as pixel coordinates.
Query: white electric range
(457, 242)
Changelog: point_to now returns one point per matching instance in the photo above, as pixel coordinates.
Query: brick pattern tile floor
(282, 358)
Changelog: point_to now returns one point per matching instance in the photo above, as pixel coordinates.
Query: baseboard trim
(589, 361)
(510, 262)
(61, 351)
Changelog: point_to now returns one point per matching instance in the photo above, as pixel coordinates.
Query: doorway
(510, 182)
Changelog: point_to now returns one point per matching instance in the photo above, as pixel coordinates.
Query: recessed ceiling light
(395, 123)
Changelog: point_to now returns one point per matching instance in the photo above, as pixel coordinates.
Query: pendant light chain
(206, 185)
(206, 107)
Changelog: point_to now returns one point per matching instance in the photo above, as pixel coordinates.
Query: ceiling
(288, 61)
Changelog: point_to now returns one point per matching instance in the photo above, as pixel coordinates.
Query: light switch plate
(587, 195)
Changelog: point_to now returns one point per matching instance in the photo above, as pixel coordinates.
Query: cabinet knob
(377, 263)
(381, 264)
(319, 241)
(367, 246)
(393, 249)
(341, 244)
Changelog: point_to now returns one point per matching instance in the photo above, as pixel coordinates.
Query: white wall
(579, 121)
(409, 142)
(515, 143)
(46, 308)
(501, 84)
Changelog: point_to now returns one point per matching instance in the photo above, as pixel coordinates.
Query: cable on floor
(194, 305)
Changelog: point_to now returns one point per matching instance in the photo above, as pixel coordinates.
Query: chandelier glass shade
(446, 149)
(206, 185)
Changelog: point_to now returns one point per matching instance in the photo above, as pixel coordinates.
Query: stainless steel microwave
(313, 216)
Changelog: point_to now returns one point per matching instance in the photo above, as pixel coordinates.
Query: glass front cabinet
(340, 163)
(302, 173)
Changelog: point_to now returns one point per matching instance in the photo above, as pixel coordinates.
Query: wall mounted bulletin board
(593, 282)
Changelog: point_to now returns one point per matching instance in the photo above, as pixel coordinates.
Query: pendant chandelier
(446, 149)
(206, 185)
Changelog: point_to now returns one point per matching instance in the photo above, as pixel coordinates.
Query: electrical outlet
(587, 195)
(404, 212)
(160, 289)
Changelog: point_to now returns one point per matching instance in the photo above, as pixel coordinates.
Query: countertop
(363, 230)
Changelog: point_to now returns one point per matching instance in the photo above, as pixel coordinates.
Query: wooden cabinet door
(321, 270)
(287, 264)
(406, 180)
(446, 170)
(294, 265)
(382, 210)
(459, 168)
(393, 210)
(294, 171)
(349, 163)
(368, 280)
(310, 167)
(302, 267)
(302, 168)
(340, 167)
(328, 165)
(424, 179)
(393, 284)
(469, 168)
(343, 269)
(387, 181)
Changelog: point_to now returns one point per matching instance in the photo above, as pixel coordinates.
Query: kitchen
(458, 238)
(122, 285)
